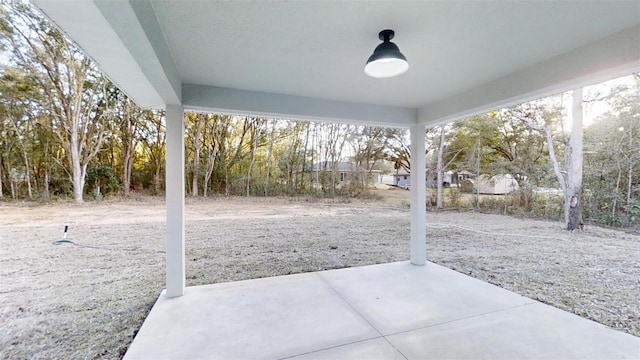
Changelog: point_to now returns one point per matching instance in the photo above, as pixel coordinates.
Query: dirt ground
(87, 300)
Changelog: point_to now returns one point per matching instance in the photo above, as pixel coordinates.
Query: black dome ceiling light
(386, 60)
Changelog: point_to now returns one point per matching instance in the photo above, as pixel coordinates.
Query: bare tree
(571, 183)
(398, 150)
(17, 90)
(440, 169)
(269, 155)
(129, 117)
(212, 141)
(573, 154)
(153, 137)
(369, 144)
(74, 90)
(198, 121)
(256, 133)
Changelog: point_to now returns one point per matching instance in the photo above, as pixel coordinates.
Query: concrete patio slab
(263, 318)
(533, 331)
(376, 349)
(388, 311)
(398, 297)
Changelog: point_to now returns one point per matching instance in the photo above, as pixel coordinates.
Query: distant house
(402, 178)
(344, 172)
(464, 175)
(495, 185)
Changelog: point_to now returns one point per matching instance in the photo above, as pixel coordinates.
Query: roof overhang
(304, 60)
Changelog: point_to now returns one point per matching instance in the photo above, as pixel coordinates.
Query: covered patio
(388, 311)
(304, 60)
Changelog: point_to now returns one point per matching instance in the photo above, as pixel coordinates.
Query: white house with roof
(342, 172)
(402, 178)
(500, 184)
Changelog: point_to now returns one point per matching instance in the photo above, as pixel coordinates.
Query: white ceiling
(305, 59)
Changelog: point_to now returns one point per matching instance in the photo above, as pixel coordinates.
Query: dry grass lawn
(87, 301)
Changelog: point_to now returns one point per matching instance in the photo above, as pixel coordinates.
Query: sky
(596, 108)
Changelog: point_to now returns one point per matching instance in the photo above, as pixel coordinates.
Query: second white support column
(176, 276)
(418, 195)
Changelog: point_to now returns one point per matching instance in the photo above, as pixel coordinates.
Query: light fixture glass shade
(386, 60)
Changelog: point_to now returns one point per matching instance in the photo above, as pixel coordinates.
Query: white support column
(418, 195)
(176, 277)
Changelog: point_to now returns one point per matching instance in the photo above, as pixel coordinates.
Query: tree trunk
(614, 206)
(83, 177)
(478, 174)
(46, 194)
(631, 161)
(156, 179)
(211, 160)
(27, 172)
(315, 150)
(197, 144)
(1, 190)
(573, 193)
(213, 141)
(160, 149)
(304, 158)
(440, 170)
(126, 171)
(629, 180)
(24, 155)
(574, 158)
(253, 153)
(130, 123)
(77, 178)
(45, 184)
(269, 152)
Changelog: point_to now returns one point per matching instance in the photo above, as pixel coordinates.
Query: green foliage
(498, 144)
(633, 209)
(101, 180)
(242, 155)
(612, 163)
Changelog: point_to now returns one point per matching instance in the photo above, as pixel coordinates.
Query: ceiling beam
(232, 101)
(139, 31)
(611, 57)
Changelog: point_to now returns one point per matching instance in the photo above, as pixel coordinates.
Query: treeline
(240, 155)
(67, 131)
(514, 141)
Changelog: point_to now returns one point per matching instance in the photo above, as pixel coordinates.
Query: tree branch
(550, 148)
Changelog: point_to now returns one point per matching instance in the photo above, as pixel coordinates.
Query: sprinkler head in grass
(64, 237)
